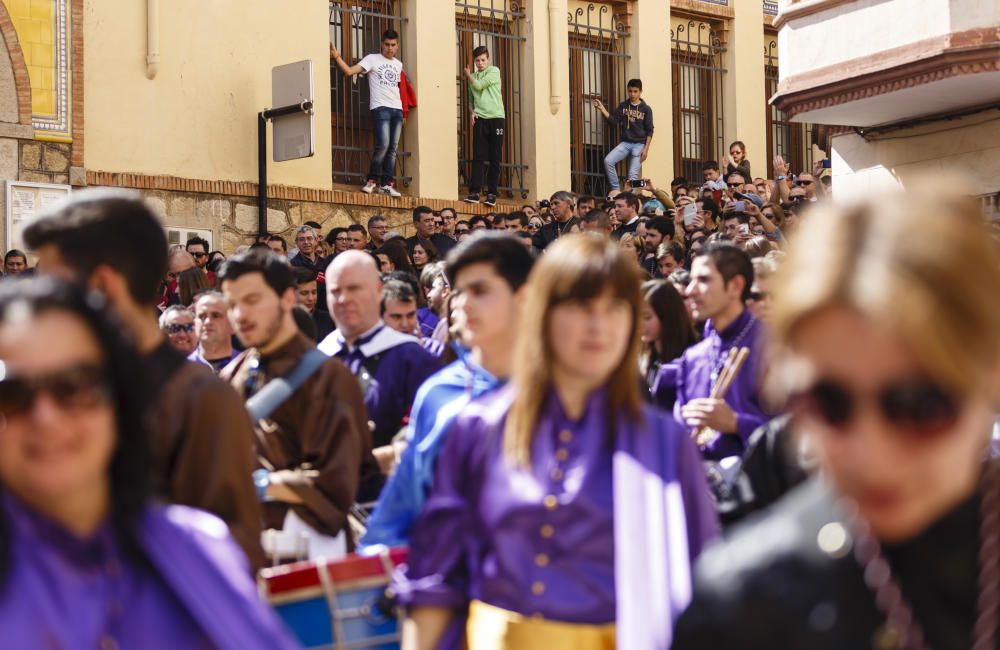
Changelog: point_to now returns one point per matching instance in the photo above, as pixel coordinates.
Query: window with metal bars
(356, 28)
(497, 24)
(597, 69)
(697, 78)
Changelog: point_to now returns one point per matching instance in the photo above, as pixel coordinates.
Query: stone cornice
(934, 59)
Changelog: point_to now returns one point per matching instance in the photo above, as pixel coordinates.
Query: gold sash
(493, 628)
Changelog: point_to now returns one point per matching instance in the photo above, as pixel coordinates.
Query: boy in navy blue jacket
(635, 118)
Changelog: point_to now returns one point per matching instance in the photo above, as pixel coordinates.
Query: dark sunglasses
(198, 256)
(461, 231)
(916, 405)
(176, 328)
(735, 184)
(78, 387)
(803, 182)
(757, 296)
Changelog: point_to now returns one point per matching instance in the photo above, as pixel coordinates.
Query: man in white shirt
(384, 71)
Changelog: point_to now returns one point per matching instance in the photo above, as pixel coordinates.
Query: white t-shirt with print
(383, 80)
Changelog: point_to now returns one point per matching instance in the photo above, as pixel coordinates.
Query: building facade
(911, 94)
(163, 98)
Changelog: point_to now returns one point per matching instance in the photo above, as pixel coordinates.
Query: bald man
(391, 365)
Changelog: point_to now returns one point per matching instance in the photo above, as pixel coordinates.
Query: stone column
(744, 103)
(430, 133)
(546, 104)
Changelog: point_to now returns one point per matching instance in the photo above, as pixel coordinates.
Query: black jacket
(551, 232)
(770, 586)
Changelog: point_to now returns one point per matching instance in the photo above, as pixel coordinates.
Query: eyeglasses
(177, 328)
(343, 239)
(78, 387)
(461, 231)
(800, 183)
(198, 256)
(915, 405)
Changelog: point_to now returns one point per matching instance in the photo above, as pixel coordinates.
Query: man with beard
(314, 444)
(201, 437)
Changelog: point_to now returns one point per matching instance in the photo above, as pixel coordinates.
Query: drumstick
(732, 367)
(702, 433)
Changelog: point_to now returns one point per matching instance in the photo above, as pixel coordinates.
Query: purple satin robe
(195, 592)
(694, 379)
(569, 538)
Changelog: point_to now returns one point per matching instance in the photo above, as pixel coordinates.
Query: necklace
(720, 358)
(901, 628)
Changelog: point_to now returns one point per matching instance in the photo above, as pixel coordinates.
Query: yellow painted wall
(546, 129)
(34, 21)
(198, 117)
(429, 61)
(745, 108)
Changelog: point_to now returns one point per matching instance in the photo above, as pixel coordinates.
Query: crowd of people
(727, 413)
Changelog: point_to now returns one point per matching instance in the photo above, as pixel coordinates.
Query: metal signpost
(292, 95)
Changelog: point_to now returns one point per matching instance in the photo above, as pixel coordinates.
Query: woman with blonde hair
(889, 355)
(572, 510)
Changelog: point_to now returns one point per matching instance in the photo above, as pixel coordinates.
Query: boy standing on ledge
(635, 118)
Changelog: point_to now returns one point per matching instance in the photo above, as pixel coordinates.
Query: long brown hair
(574, 268)
(677, 332)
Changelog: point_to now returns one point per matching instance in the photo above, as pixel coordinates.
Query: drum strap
(330, 592)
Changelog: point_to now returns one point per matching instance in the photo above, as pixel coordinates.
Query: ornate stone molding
(281, 192)
(21, 79)
(801, 8)
(943, 57)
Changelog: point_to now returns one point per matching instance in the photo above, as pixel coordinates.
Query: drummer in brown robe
(200, 434)
(316, 442)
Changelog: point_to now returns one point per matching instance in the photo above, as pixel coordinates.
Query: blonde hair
(577, 267)
(921, 264)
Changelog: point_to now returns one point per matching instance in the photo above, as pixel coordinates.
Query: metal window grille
(496, 24)
(356, 28)
(697, 75)
(790, 140)
(597, 70)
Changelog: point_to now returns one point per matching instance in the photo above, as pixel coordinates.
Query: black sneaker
(491, 200)
(472, 198)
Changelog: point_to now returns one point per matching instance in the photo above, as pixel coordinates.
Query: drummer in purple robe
(564, 512)
(720, 284)
(86, 560)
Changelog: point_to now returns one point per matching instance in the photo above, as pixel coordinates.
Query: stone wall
(233, 220)
(44, 162)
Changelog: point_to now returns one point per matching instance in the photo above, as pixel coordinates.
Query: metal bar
(261, 175)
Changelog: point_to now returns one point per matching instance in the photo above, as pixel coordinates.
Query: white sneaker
(390, 190)
(369, 187)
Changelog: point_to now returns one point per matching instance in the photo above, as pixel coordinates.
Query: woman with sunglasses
(889, 351)
(86, 559)
(571, 510)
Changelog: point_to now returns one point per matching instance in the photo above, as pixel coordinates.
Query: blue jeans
(387, 124)
(620, 153)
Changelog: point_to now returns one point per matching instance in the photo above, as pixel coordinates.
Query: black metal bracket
(263, 117)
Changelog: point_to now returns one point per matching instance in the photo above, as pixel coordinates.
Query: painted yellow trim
(52, 137)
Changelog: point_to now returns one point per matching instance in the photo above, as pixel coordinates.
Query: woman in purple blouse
(86, 561)
(564, 513)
